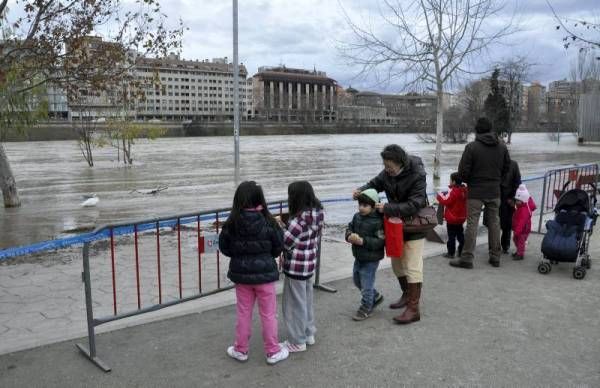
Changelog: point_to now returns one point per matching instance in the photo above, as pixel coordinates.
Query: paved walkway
(507, 326)
(42, 299)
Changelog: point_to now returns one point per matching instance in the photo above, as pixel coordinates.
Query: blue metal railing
(127, 228)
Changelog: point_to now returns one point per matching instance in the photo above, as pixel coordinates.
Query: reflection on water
(53, 178)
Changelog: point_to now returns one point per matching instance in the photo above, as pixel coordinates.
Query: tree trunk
(129, 152)
(439, 131)
(90, 156)
(7, 181)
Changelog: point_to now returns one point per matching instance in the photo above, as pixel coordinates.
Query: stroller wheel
(588, 262)
(544, 268)
(578, 273)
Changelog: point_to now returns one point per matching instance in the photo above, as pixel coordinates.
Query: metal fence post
(91, 352)
(318, 284)
(543, 205)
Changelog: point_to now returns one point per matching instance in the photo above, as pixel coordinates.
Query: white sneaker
(310, 340)
(281, 355)
(231, 352)
(293, 348)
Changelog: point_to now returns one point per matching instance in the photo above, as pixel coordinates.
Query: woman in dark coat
(404, 181)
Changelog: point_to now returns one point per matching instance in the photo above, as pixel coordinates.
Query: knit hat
(483, 126)
(522, 194)
(369, 196)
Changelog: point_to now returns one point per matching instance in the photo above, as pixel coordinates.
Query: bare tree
(514, 72)
(585, 70)
(431, 42)
(472, 98)
(18, 111)
(456, 129)
(48, 43)
(122, 134)
(578, 32)
(85, 128)
(585, 79)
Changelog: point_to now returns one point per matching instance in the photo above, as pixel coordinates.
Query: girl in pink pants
(252, 239)
(521, 223)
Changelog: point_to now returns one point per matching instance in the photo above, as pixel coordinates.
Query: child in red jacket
(521, 223)
(455, 213)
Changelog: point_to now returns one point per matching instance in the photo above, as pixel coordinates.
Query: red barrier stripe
(112, 260)
(158, 263)
(199, 258)
(137, 266)
(218, 256)
(179, 255)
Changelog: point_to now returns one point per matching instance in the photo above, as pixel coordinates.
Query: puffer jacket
(455, 205)
(406, 192)
(252, 250)
(370, 229)
(521, 222)
(510, 182)
(301, 244)
(483, 165)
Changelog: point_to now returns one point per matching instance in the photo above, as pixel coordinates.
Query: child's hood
(460, 190)
(253, 223)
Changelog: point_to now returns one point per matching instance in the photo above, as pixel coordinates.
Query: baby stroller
(568, 234)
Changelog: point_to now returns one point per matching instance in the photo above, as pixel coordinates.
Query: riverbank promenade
(507, 326)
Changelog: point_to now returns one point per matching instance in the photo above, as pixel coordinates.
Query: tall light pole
(236, 94)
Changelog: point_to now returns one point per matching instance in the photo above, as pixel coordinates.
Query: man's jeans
(491, 214)
(363, 275)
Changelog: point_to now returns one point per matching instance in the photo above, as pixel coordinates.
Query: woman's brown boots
(411, 314)
(404, 298)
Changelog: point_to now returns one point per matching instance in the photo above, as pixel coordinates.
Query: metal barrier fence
(559, 180)
(199, 240)
(137, 248)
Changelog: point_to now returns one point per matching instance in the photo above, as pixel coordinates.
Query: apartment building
(178, 90)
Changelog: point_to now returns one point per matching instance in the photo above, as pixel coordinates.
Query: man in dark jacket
(482, 167)
(404, 181)
(508, 189)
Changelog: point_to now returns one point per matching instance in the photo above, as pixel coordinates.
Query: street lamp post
(236, 95)
(560, 124)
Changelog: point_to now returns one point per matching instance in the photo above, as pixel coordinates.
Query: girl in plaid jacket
(301, 243)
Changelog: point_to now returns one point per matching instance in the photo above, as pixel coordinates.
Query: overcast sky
(306, 34)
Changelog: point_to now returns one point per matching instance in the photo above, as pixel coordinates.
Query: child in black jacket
(252, 239)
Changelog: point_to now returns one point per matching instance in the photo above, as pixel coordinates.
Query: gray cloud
(305, 33)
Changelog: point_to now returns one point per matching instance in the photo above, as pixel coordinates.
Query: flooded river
(53, 178)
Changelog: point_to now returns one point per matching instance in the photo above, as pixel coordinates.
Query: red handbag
(394, 236)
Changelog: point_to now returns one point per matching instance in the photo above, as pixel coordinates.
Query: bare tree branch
(572, 35)
(433, 41)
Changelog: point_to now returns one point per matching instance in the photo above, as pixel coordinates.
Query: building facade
(415, 111)
(176, 89)
(561, 97)
(293, 95)
(536, 104)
